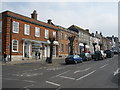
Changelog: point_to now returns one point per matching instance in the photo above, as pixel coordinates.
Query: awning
(55, 42)
(81, 44)
(87, 46)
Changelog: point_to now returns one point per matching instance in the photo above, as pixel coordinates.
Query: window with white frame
(0, 26)
(54, 34)
(15, 27)
(14, 45)
(37, 32)
(46, 33)
(27, 29)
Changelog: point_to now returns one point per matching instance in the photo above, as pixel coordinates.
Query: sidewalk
(30, 61)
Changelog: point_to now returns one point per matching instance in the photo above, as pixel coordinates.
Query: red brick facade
(21, 37)
(27, 44)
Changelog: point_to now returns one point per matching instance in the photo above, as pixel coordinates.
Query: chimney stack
(87, 30)
(92, 34)
(101, 33)
(34, 15)
(96, 32)
(50, 22)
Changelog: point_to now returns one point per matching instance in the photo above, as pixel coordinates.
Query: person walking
(39, 54)
(36, 55)
(5, 57)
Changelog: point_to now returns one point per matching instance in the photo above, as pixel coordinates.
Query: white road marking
(19, 80)
(28, 86)
(103, 66)
(29, 81)
(86, 75)
(62, 73)
(67, 77)
(116, 72)
(52, 83)
(28, 74)
(82, 70)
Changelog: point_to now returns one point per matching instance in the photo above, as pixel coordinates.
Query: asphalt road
(89, 74)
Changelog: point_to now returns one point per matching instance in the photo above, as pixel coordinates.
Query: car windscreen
(76, 56)
(70, 56)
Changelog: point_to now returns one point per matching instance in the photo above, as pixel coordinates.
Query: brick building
(28, 35)
(64, 48)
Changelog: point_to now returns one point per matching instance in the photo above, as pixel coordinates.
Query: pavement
(30, 61)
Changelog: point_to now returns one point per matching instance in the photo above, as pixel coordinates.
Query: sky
(95, 16)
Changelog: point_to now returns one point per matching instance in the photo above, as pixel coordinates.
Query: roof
(77, 29)
(27, 19)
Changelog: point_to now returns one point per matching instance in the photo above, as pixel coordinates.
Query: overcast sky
(95, 16)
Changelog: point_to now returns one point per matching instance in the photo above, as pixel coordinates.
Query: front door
(26, 50)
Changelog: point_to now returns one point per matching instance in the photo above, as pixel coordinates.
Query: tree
(84, 46)
(100, 44)
(94, 46)
(51, 39)
(71, 39)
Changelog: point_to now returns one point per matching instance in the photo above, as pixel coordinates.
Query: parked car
(109, 53)
(73, 59)
(98, 55)
(115, 51)
(86, 56)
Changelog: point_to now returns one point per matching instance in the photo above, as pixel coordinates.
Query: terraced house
(23, 36)
(64, 47)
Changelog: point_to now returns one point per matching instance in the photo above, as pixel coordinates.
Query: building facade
(64, 48)
(27, 36)
(84, 37)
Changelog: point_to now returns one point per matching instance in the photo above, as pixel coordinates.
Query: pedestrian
(36, 55)
(39, 54)
(5, 57)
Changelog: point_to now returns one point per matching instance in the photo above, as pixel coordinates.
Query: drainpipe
(11, 26)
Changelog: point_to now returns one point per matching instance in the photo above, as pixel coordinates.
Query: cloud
(94, 16)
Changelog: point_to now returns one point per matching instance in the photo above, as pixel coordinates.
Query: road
(89, 74)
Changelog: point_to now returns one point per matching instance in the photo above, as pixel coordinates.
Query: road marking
(86, 75)
(52, 83)
(67, 77)
(82, 70)
(116, 72)
(62, 73)
(29, 81)
(19, 80)
(103, 66)
(28, 86)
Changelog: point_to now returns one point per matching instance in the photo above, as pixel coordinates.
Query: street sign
(8, 46)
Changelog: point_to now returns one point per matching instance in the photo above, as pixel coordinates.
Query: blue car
(73, 59)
